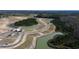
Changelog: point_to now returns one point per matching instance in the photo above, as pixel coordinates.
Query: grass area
(29, 28)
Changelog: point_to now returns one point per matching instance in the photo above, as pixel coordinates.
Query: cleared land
(27, 40)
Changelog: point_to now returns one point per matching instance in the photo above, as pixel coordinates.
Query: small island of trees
(26, 22)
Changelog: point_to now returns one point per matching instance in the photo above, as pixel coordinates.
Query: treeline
(13, 14)
(50, 15)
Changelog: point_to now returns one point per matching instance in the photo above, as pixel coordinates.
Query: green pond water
(42, 41)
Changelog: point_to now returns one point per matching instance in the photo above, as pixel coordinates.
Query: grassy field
(29, 28)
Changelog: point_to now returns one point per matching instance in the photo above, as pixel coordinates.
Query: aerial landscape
(39, 29)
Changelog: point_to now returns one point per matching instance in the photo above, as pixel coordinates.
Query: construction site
(20, 38)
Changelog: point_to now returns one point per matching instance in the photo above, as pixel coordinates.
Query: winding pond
(42, 41)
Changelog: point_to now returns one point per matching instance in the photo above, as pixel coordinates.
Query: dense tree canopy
(26, 22)
(68, 40)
